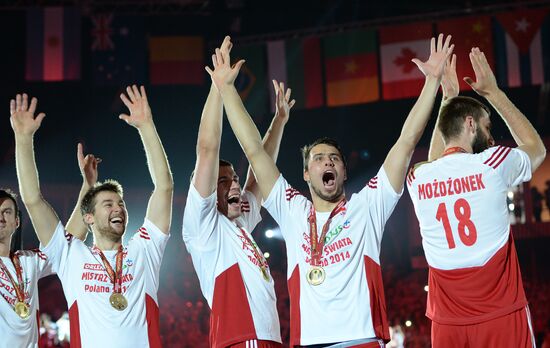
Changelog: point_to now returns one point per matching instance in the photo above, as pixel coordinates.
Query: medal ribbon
(116, 278)
(317, 244)
(257, 255)
(452, 150)
(19, 288)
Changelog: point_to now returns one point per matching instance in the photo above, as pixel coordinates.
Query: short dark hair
(7, 193)
(87, 205)
(222, 163)
(324, 140)
(454, 112)
(16, 238)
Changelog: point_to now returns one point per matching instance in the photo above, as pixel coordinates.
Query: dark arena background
(78, 66)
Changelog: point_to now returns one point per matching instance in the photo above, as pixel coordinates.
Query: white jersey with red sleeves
(460, 202)
(243, 303)
(350, 303)
(14, 331)
(87, 288)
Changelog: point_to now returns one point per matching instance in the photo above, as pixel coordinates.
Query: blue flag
(119, 51)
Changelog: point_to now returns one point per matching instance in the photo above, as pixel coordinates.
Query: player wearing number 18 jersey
(476, 296)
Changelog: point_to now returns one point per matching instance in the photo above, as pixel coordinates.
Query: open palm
(439, 53)
(22, 117)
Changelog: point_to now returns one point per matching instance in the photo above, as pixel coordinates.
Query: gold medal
(265, 274)
(316, 275)
(22, 309)
(118, 301)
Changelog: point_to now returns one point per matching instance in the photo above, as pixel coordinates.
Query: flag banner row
(332, 70)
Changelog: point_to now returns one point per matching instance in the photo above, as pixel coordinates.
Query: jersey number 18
(462, 212)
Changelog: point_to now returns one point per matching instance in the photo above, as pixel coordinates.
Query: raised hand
(136, 102)
(22, 117)
(283, 104)
(449, 81)
(224, 74)
(485, 82)
(439, 54)
(88, 166)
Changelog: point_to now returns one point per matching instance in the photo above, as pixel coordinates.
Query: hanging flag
(351, 68)
(251, 83)
(176, 60)
(118, 49)
(53, 44)
(297, 62)
(545, 38)
(401, 78)
(468, 32)
(519, 38)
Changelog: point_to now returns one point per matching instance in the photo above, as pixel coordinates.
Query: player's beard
(109, 233)
(333, 198)
(481, 142)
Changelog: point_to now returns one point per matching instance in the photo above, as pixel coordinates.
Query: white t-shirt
(460, 202)
(243, 303)
(14, 331)
(87, 288)
(349, 304)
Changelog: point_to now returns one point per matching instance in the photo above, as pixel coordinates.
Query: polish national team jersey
(87, 287)
(14, 331)
(350, 303)
(243, 303)
(460, 202)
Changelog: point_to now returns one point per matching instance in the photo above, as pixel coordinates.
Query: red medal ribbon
(261, 260)
(116, 278)
(317, 244)
(20, 286)
(454, 149)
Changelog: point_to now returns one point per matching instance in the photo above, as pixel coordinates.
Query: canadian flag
(398, 45)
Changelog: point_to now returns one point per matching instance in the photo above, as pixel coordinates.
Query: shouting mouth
(329, 179)
(234, 200)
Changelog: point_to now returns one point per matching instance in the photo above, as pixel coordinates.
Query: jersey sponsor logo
(332, 234)
(451, 186)
(93, 266)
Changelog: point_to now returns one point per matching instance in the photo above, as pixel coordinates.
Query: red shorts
(256, 344)
(512, 330)
(376, 344)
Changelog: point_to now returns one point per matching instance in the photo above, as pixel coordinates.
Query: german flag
(351, 68)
